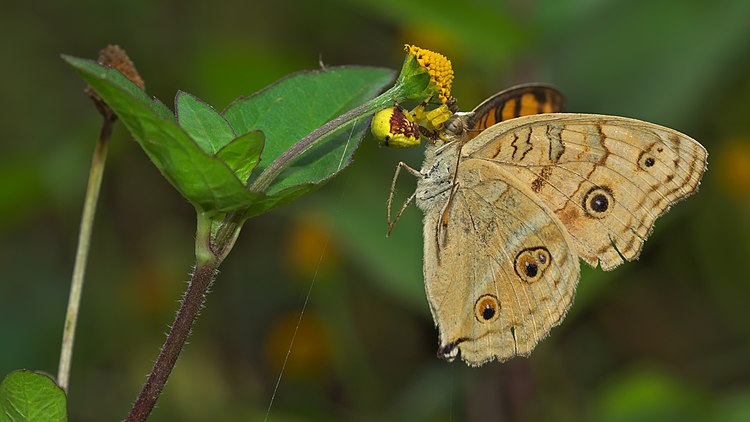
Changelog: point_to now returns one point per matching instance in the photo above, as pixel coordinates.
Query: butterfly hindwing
(501, 272)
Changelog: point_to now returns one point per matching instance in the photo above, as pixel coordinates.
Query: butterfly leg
(415, 173)
(442, 223)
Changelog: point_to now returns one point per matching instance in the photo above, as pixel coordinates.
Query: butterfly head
(456, 126)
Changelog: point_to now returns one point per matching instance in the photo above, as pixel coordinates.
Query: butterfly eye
(454, 126)
(598, 202)
(531, 263)
(487, 308)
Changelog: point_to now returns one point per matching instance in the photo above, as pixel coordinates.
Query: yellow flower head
(425, 75)
(439, 68)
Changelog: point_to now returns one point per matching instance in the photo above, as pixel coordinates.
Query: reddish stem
(192, 303)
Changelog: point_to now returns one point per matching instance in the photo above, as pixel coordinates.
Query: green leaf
(204, 124)
(205, 161)
(28, 396)
(162, 110)
(242, 154)
(332, 154)
(203, 179)
(293, 107)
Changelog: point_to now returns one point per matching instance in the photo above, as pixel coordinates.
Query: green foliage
(203, 179)
(208, 156)
(295, 106)
(242, 153)
(207, 127)
(31, 397)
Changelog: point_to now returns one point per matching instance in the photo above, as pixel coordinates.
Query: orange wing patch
(521, 100)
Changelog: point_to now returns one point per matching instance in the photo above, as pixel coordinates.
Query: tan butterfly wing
(606, 178)
(499, 269)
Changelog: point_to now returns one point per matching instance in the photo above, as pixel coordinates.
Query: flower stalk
(112, 56)
(84, 240)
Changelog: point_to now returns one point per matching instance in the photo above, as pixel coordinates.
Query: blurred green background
(664, 338)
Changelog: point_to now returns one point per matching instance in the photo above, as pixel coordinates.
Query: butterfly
(515, 192)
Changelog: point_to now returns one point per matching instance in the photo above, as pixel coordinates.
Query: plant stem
(84, 240)
(209, 256)
(202, 278)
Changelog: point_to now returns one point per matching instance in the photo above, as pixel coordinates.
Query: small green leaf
(242, 154)
(293, 107)
(203, 179)
(204, 124)
(29, 396)
(162, 110)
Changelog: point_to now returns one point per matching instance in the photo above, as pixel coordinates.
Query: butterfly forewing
(606, 178)
(521, 100)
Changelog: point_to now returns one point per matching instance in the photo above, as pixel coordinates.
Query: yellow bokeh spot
(309, 249)
(310, 352)
(439, 68)
(149, 289)
(733, 164)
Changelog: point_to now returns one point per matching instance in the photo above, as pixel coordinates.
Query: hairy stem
(84, 240)
(210, 254)
(201, 280)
